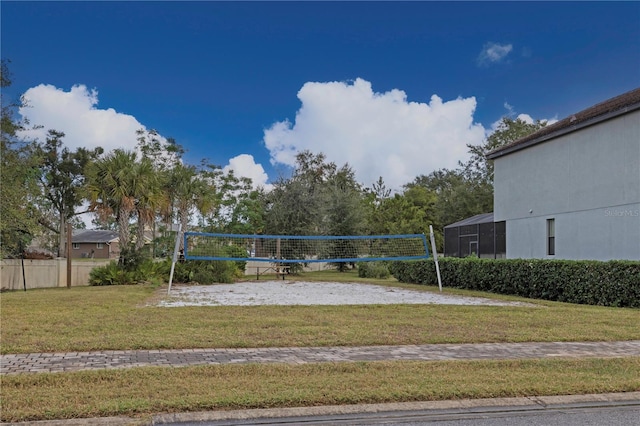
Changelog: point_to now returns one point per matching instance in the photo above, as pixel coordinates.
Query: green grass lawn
(94, 318)
(119, 317)
(143, 391)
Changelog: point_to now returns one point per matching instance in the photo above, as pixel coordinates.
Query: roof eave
(501, 152)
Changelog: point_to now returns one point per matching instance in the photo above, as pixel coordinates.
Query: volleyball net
(304, 249)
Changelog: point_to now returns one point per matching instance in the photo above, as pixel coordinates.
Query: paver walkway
(75, 361)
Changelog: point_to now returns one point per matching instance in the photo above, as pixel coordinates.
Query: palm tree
(149, 196)
(111, 189)
(188, 191)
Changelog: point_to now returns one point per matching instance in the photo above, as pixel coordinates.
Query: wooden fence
(45, 273)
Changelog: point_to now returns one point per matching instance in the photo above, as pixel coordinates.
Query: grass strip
(144, 391)
(118, 318)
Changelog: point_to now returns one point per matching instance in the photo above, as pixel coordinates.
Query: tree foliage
(18, 178)
(478, 168)
(318, 199)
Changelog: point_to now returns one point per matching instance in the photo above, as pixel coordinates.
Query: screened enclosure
(477, 236)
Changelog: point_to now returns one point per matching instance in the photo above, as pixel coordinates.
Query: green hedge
(613, 283)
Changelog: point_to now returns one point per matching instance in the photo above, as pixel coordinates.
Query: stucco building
(572, 189)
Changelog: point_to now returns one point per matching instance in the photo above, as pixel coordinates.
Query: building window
(76, 246)
(99, 246)
(551, 237)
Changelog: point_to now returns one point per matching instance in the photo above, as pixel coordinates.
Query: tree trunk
(140, 232)
(184, 220)
(62, 241)
(123, 228)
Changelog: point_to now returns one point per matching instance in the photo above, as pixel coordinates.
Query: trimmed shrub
(613, 283)
(373, 270)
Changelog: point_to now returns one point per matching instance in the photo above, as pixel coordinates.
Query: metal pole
(175, 257)
(68, 255)
(279, 258)
(24, 278)
(435, 256)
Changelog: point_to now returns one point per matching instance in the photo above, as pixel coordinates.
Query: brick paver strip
(75, 361)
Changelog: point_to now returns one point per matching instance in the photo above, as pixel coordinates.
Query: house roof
(473, 220)
(93, 236)
(614, 107)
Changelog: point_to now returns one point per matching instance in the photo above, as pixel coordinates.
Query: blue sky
(394, 89)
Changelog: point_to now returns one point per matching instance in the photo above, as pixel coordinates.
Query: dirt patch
(311, 293)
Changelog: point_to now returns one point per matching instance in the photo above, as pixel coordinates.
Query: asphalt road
(593, 413)
(609, 409)
(610, 416)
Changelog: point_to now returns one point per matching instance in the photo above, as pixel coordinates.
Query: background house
(572, 189)
(96, 244)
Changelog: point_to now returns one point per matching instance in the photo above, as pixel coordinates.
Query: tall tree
(164, 155)
(62, 179)
(247, 216)
(379, 190)
(457, 197)
(240, 208)
(295, 205)
(343, 212)
(318, 199)
(408, 213)
(343, 208)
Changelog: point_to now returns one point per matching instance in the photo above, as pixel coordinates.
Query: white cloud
(526, 118)
(378, 134)
(493, 52)
(508, 107)
(75, 113)
(244, 165)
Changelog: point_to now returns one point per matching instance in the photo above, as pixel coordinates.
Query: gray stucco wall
(588, 181)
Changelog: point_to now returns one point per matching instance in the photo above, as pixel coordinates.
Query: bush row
(612, 283)
(193, 271)
(135, 267)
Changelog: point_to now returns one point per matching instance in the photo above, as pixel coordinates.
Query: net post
(279, 258)
(174, 259)
(435, 255)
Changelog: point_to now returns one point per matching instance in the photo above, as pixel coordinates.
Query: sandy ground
(311, 293)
